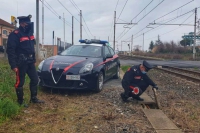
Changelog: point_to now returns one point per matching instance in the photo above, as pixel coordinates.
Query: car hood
(68, 61)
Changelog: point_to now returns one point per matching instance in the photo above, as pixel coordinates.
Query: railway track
(134, 57)
(180, 72)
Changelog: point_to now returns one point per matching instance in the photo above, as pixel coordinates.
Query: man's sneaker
(138, 98)
(124, 98)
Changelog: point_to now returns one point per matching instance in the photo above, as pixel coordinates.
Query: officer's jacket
(133, 76)
(19, 43)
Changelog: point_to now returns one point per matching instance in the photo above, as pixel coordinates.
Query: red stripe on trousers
(17, 79)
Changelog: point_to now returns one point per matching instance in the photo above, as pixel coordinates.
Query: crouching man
(136, 81)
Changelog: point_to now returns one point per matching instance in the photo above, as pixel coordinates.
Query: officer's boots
(124, 97)
(34, 98)
(20, 94)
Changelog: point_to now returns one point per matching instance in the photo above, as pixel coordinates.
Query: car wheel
(117, 75)
(100, 82)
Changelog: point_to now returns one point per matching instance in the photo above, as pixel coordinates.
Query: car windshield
(83, 50)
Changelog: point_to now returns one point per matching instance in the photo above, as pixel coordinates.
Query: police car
(84, 66)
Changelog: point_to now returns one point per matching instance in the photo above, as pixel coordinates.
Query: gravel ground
(180, 100)
(104, 112)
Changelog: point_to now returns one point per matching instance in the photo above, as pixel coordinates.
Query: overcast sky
(98, 17)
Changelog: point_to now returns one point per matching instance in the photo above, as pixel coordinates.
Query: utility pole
(114, 29)
(195, 21)
(80, 24)
(64, 29)
(143, 43)
(108, 38)
(37, 29)
(53, 43)
(131, 44)
(42, 23)
(72, 30)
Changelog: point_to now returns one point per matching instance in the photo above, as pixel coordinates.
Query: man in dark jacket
(21, 57)
(136, 81)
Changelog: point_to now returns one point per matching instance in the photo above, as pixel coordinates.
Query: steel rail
(190, 78)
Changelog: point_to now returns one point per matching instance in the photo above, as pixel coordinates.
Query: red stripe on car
(107, 60)
(51, 65)
(23, 39)
(70, 66)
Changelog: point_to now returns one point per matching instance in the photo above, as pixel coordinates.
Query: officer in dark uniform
(21, 57)
(136, 81)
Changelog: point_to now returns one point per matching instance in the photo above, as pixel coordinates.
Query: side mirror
(109, 56)
(59, 52)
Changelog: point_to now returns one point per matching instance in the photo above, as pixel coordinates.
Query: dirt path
(81, 112)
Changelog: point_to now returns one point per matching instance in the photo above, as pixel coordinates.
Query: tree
(151, 45)
(186, 42)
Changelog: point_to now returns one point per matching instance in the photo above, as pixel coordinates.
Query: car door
(107, 63)
(113, 62)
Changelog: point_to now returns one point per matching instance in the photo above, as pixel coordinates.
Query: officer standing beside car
(21, 57)
(136, 81)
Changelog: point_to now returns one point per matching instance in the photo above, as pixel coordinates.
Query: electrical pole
(121, 45)
(64, 29)
(42, 23)
(53, 43)
(80, 24)
(195, 21)
(143, 43)
(114, 29)
(72, 30)
(108, 38)
(37, 29)
(131, 44)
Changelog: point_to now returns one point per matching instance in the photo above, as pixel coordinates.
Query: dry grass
(179, 100)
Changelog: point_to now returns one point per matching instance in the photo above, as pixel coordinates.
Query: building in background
(5, 29)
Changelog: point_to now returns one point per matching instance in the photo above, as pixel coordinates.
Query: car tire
(100, 81)
(117, 75)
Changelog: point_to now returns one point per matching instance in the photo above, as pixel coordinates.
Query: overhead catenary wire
(144, 17)
(74, 4)
(137, 16)
(116, 5)
(166, 15)
(174, 10)
(55, 13)
(77, 8)
(86, 32)
(122, 10)
(168, 31)
(87, 27)
(113, 20)
(159, 25)
(68, 11)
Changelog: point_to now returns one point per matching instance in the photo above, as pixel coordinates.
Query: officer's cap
(24, 18)
(147, 65)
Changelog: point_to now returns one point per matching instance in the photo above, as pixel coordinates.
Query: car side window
(111, 51)
(106, 51)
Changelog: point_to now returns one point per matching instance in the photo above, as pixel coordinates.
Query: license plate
(72, 77)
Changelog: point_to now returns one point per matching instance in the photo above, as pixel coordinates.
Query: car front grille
(57, 73)
(62, 83)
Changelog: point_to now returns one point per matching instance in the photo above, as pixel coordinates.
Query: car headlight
(40, 65)
(87, 68)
